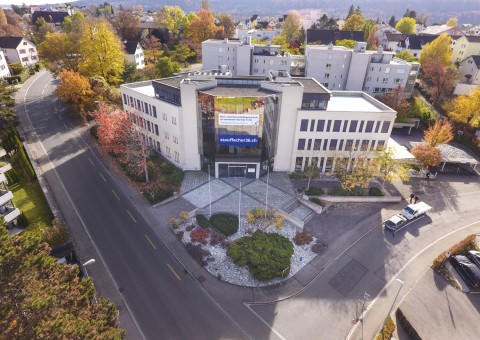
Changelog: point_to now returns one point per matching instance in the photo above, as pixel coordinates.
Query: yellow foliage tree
(60, 50)
(75, 89)
(202, 26)
(452, 22)
(406, 25)
(354, 23)
(102, 52)
(439, 133)
(292, 25)
(437, 50)
(466, 109)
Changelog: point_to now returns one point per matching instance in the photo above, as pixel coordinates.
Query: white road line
(80, 217)
(262, 320)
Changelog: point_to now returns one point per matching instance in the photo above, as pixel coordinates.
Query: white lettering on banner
(240, 119)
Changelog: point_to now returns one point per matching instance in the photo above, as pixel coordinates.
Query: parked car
(31, 71)
(395, 223)
(412, 211)
(474, 256)
(469, 272)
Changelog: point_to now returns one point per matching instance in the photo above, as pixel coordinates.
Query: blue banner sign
(238, 140)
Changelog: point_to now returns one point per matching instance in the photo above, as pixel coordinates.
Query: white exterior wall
(464, 49)
(359, 65)
(317, 59)
(385, 77)
(261, 64)
(4, 71)
(244, 60)
(258, 34)
(139, 58)
(217, 53)
(468, 67)
(25, 53)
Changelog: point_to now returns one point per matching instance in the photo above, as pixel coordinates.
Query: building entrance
(237, 170)
(248, 170)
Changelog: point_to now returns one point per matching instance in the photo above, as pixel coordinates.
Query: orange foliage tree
(427, 155)
(202, 27)
(439, 133)
(397, 101)
(75, 89)
(112, 130)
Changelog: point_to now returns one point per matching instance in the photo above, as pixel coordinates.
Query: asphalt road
(165, 300)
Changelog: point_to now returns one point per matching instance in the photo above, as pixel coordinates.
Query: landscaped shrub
(279, 218)
(198, 254)
(267, 255)
(297, 175)
(217, 238)
(158, 195)
(180, 235)
(314, 191)
(461, 247)
(189, 228)
(316, 201)
(227, 224)
(387, 331)
(22, 220)
(173, 223)
(339, 191)
(302, 238)
(183, 216)
(406, 325)
(202, 221)
(199, 235)
(374, 191)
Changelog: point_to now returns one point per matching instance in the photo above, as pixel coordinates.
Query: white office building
(241, 125)
(358, 69)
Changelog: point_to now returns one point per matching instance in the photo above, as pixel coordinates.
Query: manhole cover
(348, 277)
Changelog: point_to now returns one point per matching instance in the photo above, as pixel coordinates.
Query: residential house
(441, 29)
(19, 50)
(261, 34)
(53, 18)
(325, 37)
(465, 47)
(390, 41)
(7, 209)
(134, 53)
(469, 75)
(381, 34)
(4, 71)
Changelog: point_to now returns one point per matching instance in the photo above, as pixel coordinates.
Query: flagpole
(266, 194)
(209, 190)
(239, 203)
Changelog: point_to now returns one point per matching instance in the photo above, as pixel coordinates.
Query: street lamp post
(85, 265)
(393, 304)
(361, 302)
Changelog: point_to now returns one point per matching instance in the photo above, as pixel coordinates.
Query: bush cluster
(387, 331)
(316, 201)
(302, 238)
(158, 195)
(314, 191)
(217, 238)
(339, 191)
(200, 235)
(94, 131)
(267, 255)
(227, 224)
(374, 191)
(198, 254)
(180, 235)
(297, 175)
(202, 221)
(461, 247)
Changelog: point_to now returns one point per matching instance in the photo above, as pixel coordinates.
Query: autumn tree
(452, 22)
(466, 109)
(406, 25)
(127, 25)
(7, 110)
(3, 17)
(441, 78)
(40, 30)
(311, 171)
(12, 27)
(371, 39)
(174, 19)
(427, 155)
(60, 50)
(102, 52)
(406, 55)
(387, 167)
(166, 67)
(348, 43)
(358, 175)
(182, 53)
(73, 23)
(396, 100)
(437, 50)
(354, 23)
(325, 23)
(439, 133)
(75, 89)
(152, 49)
(137, 152)
(43, 299)
(202, 27)
(226, 21)
(112, 129)
(291, 26)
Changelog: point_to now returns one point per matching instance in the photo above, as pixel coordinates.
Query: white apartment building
(374, 72)
(241, 57)
(4, 71)
(19, 50)
(261, 35)
(240, 126)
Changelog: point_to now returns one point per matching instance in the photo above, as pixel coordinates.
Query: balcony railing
(5, 198)
(4, 166)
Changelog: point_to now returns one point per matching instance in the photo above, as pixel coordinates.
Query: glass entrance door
(237, 170)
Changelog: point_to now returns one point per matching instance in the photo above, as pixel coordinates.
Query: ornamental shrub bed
(227, 224)
(200, 235)
(461, 247)
(314, 191)
(303, 238)
(387, 331)
(339, 191)
(198, 253)
(374, 191)
(202, 221)
(267, 255)
(317, 201)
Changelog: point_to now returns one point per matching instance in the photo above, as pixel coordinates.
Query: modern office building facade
(241, 126)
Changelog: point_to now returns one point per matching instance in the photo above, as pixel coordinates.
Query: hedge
(314, 191)
(374, 191)
(387, 331)
(158, 195)
(202, 221)
(317, 201)
(339, 191)
(462, 247)
(267, 255)
(227, 224)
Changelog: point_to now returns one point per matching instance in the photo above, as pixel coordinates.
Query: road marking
(91, 161)
(102, 177)
(59, 117)
(131, 216)
(150, 241)
(66, 127)
(173, 271)
(118, 198)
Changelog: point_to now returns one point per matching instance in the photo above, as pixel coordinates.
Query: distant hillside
(467, 11)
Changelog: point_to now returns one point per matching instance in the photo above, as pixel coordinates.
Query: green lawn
(29, 198)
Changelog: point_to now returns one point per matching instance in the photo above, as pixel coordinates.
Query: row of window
(339, 144)
(149, 109)
(154, 144)
(327, 164)
(385, 80)
(337, 125)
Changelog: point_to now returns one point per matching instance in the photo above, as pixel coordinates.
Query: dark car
(469, 272)
(474, 256)
(31, 71)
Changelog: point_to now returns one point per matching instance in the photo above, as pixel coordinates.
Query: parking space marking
(150, 241)
(131, 216)
(118, 198)
(91, 161)
(173, 271)
(104, 179)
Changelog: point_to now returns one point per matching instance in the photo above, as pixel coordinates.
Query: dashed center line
(104, 179)
(173, 271)
(91, 161)
(118, 198)
(150, 241)
(131, 216)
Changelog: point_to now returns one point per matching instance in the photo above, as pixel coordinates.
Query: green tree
(7, 109)
(41, 29)
(41, 298)
(387, 167)
(226, 21)
(437, 50)
(325, 23)
(406, 55)
(73, 23)
(351, 10)
(291, 26)
(182, 53)
(410, 14)
(358, 175)
(174, 19)
(397, 101)
(102, 52)
(406, 25)
(166, 67)
(130, 73)
(354, 23)
(393, 21)
(348, 43)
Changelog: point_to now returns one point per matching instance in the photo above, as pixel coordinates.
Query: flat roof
(353, 101)
(238, 91)
(311, 86)
(147, 90)
(173, 81)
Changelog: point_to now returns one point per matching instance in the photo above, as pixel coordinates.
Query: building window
(175, 139)
(336, 125)
(364, 145)
(345, 123)
(327, 75)
(340, 145)
(353, 126)
(317, 144)
(333, 144)
(164, 115)
(377, 127)
(301, 144)
(385, 80)
(165, 134)
(349, 145)
(174, 120)
(298, 163)
(387, 69)
(329, 123)
(325, 144)
(156, 129)
(380, 144)
(329, 66)
(154, 111)
(177, 157)
(22, 51)
(385, 127)
(312, 124)
(309, 145)
(320, 125)
(304, 125)
(369, 127)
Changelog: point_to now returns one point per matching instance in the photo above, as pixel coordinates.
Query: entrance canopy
(454, 155)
